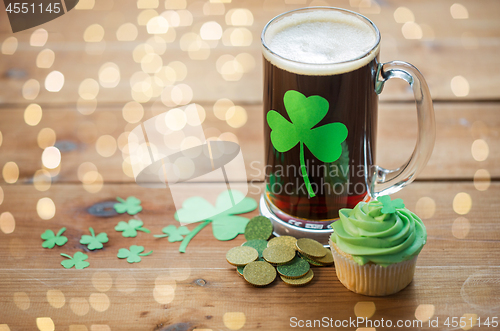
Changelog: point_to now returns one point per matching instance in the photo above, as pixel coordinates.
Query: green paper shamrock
(52, 239)
(130, 229)
(173, 233)
(131, 206)
(323, 141)
(225, 225)
(389, 207)
(133, 255)
(93, 241)
(77, 261)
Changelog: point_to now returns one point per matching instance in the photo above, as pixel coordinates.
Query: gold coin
(259, 273)
(325, 260)
(310, 247)
(299, 281)
(283, 240)
(278, 254)
(241, 255)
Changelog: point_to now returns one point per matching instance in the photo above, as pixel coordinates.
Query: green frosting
(372, 236)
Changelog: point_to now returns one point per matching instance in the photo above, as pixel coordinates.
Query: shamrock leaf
(304, 113)
(52, 239)
(133, 254)
(93, 241)
(131, 206)
(130, 229)
(389, 207)
(77, 261)
(225, 225)
(173, 233)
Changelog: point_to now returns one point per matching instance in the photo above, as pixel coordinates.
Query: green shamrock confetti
(131, 206)
(93, 241)
(323, 141)
(130, 229)
(173, 233)
(225, 225)
(389, 207)
(133, 254)
(52, 239)
(77, 261)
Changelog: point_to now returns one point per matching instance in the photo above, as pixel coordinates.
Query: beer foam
(321, 42)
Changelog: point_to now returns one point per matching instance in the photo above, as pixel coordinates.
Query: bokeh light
(45, 208)
(425, 207)
(424, 312)
(88, 89)
(145, 4)
(157, 25)
(99, 301)
(22, 300)
(109, 75)
(151, 63)
(10, 172)
(39, 37)
(411, 30)
(459, 12)
(79, 306)
(403, 15)
(45, 59)
(102, 281)
(51, 157)
(146, 15)
(85, 5)
(1, 195)
(133, 112)
(462, 203)
(482, 180)
(93, 33)
(106, 146)
(42, 180)
(236, 116)
(31, 89)
(459, 86)
(365, 309)
(195, 114)
(9, 46)
(237, 37)
(460, 228)
(7, 222)
(239, 17)
(211, 31)
(221, 107)
(480, 150)
(213, 8)
(234, 320)
(33, 114)
(175, 4)
(127, 32)
(54, 81)
(56, 298)
(470, 321)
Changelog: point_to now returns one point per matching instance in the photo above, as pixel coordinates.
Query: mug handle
(388, 181)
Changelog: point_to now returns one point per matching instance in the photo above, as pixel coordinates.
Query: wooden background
(455, 46)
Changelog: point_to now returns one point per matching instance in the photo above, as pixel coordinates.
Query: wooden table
(457, 194)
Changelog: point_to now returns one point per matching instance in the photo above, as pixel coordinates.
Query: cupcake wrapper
(371, 279)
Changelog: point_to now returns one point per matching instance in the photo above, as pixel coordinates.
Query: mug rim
(367, 53)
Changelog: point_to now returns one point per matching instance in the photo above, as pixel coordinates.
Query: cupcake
(375, 246)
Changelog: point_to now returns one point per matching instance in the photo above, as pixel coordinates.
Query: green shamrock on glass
(305, 113)
(129, 230)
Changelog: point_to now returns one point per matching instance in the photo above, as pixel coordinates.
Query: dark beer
(349, 89)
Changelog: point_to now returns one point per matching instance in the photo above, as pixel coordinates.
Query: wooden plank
(455, 276)
(440, 55)
(458, 126)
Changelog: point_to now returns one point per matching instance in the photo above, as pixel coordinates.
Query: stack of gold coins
(258, 260)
